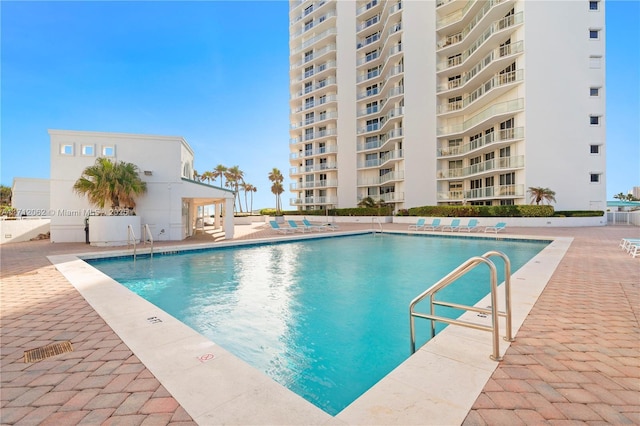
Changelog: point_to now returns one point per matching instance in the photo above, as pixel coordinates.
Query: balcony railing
(331, 149)
(368, 6)
(319, 85)
(320, 117)
(313, 168)
(313, 24)
(497, 80)
(314, 184)
(504, 135)
(501, 191)
(368, 40)
(315, 70)
(379, 180)
(317, 102)
(316, 54)
(391, 155)
(392, 197)
(305, 44)
(368, 23)
(308, 11)
(498, 53)
(498, 25)
(501, 108)
(314, 135)
(502, 163)
(313, 200)
(453, 17)
(471, 25)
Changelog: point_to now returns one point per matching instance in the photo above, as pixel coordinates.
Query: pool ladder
(492, 310)
(373, 222)
(146, 236)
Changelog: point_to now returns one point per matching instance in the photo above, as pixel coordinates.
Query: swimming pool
(326, 318)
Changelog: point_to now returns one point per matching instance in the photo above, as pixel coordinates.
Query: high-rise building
(447, 102)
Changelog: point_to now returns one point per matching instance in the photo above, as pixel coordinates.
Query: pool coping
(214, 386)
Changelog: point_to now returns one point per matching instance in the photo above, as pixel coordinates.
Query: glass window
(594, 34)
(594, 149)
(594, 91)
(595, 177)
(108, 151)
(594, 120)
(593, 5)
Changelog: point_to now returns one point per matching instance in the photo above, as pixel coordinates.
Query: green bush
(579, 213)
(523, 210)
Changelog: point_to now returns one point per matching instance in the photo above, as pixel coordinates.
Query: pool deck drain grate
(44, 352)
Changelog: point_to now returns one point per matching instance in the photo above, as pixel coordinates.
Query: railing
(493, 310)
(379, 180)
(501, 163)
(147, 236)
(131, 239)
(495, 109)
(313, 184)
(487, 192)
(477, 18)
(373, 221)
(504, 135)
(313, 40)
(330, 149)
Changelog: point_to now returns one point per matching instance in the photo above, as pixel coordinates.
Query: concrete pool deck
(575, 358)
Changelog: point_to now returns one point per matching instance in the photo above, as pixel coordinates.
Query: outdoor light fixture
(148, 172)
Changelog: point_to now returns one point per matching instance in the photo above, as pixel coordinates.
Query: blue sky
(214, 72)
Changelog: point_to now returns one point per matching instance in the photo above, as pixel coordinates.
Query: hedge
(579, 213)
(522, 210)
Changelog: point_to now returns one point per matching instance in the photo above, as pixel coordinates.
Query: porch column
(217, 214)
(228, 219)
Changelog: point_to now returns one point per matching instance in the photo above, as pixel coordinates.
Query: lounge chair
(279, 230)
(433, 226)
(312, 227)
(293, 225)
(473, 224)
(626, 243)
(496, 228)
(454, 225)
(418, 225)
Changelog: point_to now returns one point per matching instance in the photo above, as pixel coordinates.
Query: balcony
(374, 20)
(492, 139)
(496, 192)
(312, 136)
(500, 25)
(369, 40)
(315, 119)
(313, 201)
(384, 158)
(498, 80)
(317, 54)
(369, 6)
(314, 168)
(392, 197)
(313, 184)
(495, 110)
(331, 149)
(315, 71)
(325, 83)
(379, 180)
(488, 6)
(313, 40)
(503, 163)
(495, 56)
(308, 11)
(315, 103)
(314, 24)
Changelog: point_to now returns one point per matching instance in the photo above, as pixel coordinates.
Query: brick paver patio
(576, 359)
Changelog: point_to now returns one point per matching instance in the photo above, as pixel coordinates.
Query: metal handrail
(493, 311)
(373, 220)
(131, 239)
(147, 236)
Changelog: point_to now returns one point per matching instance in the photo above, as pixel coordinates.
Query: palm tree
(196, 175)
(106, 181)
(207, 176)
(252, 190)
(247, 187)
(276, 177)
(539, 194)
(219, 171)
(235, 176)
(5, 195)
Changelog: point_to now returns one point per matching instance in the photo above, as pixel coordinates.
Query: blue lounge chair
(455, 224)
(293, 225)
(496, 228)
(473, 224)
(418, 225)
(279, 230)
(312, 227)
(433, 226)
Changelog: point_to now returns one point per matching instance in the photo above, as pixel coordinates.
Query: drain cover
(38, 354)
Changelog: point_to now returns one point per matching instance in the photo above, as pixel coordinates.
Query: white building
(447, 102)
(30, 196)
(172, 199)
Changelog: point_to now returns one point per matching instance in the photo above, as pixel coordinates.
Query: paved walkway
(576, 359)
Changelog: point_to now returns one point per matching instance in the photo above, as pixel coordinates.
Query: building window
(88, 150)
(594, 120)
(108, 151)
(593, 5)
(594, 149)
(594, 34)
(66, 149)
(594, 91)
(594, 177)
(595, 62)
(506, 202)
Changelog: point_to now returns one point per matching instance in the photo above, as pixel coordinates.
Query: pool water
(327, 318)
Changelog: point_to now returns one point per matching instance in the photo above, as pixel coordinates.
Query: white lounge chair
(280, 230)
(418, 225)
(312, 227)
(433, 226)
(496, 228)
(293, 225)
(453, 226)
(473, 224)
